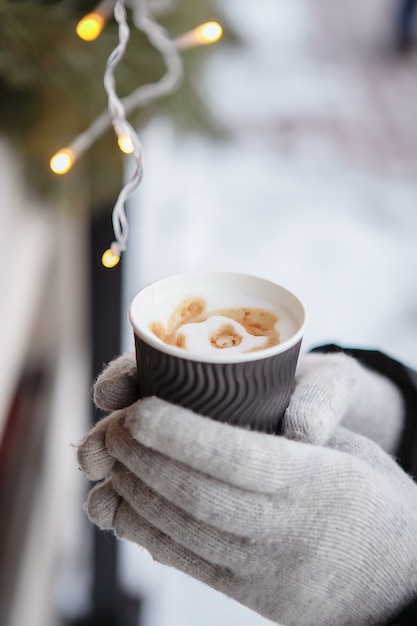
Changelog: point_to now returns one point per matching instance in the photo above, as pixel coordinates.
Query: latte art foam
(237, 330)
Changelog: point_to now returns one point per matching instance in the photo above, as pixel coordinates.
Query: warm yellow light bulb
(62, 161)
(210, 32)
(125, 144)
(110, 258)
(90, 27)
(205, 34)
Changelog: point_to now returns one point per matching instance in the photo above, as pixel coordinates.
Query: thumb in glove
(333, 389)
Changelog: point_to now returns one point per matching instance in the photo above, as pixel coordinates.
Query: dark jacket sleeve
(406, 380)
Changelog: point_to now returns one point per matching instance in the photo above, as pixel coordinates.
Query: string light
(125, 144)
(62, 161)
(203, 35)
(111, 256)
(210, 32)
(92, 24)
(143, 95)
(88, 29)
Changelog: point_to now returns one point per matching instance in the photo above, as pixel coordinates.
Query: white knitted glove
(303, 534)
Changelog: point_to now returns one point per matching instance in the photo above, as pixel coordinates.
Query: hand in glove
(304, 535)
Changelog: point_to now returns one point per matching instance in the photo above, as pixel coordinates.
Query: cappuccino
(217, 317)
(191, 326)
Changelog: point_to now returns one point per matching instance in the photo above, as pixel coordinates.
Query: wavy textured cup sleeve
(253, 394)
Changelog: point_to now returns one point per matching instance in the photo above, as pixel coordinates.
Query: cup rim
(225, 358)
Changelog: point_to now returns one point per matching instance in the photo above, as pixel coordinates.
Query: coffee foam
(218, 331)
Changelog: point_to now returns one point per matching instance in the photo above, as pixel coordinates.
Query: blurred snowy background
(317, 191)
(318, 188)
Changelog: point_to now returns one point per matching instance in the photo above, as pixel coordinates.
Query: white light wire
(121, 125)
(167, 47)
(119, 108)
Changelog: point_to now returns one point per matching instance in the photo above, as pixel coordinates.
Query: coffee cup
(222, 344)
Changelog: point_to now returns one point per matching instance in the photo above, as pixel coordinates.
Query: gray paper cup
(223, 344)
